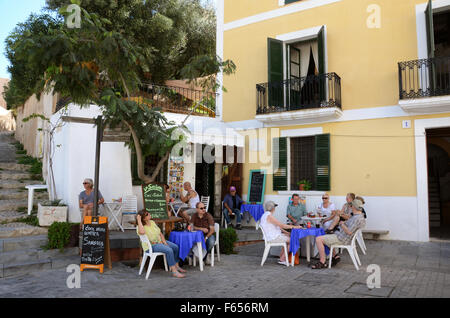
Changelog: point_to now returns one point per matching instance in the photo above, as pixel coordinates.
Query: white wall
(74, 161)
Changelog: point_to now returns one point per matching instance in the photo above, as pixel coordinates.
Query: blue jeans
(170, 250)
(227, 216)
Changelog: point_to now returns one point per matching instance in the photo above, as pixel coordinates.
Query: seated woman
(341, 215)
(273, 229)
(326, 208)
(86, 199)
(159, 244)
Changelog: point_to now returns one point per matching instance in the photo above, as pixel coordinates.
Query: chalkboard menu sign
(256, 186)
(94, 242)
(155, 201)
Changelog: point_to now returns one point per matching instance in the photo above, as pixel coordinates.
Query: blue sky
(11, 13)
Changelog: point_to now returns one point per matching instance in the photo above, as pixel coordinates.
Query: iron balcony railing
(424, 78)
(177, 99)
(316, 91)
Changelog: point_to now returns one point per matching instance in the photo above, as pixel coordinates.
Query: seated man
(340, 215)
(296, 210)
(191, 198)
(232, 204)
(203, 221)
(341, 237)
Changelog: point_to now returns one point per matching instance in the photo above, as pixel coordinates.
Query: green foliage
(58, 235)
(35, 166)
(57, 202)
(307, 184)
(30, 220)
(227, 238)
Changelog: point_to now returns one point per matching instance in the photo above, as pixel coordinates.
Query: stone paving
(408, 269)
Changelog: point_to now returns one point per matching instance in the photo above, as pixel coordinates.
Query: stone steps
(21, 194)
(16, 184)
(15, 175)
(18, 243)
(14, 166)
(11, 216)
(13, 205)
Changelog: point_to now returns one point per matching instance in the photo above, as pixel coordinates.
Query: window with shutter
(279, 161)
(322, 166)
(290, 1)
(275, 72)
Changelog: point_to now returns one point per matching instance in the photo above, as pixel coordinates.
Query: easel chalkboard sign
(95, 243)
(155, 201)
(256, 186)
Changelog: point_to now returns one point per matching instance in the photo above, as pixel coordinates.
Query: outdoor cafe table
(297, 234)
(256, 211)
(314, 221)
(186, 240)
(177, 205)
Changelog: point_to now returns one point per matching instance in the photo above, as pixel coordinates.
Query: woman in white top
(273, 229)
(327, 207)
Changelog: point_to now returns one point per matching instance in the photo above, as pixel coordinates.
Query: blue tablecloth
(297, 234)
(186, 240)
(256, 210)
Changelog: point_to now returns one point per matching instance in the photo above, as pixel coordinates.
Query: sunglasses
(202, 208)
(325, 198)
(86, 183)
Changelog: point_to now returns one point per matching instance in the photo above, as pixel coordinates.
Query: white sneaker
(282, 263)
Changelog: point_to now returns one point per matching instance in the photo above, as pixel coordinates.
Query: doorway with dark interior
(438, 158)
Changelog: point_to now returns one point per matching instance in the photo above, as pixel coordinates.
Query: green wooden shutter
(275, 72)
(290, 1)
(279, 161)
(430, 29)
(322, 167)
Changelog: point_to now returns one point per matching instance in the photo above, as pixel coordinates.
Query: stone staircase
(20, 243)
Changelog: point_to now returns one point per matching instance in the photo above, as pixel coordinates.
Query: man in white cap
(342, 237)
(274, 229)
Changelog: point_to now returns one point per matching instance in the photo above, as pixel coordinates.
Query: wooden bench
(375, 234)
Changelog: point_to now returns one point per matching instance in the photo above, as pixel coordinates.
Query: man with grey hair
(342, 237)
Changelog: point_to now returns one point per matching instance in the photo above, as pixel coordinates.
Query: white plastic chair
(268, 245)
(205, 201)
(351, 251)
(216, 244)
(129, 211)
(144, 239)
(361, 243)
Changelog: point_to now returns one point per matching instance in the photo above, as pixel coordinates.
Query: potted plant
(304, 185)
(51, 211)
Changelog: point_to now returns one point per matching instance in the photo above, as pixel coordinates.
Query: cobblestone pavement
(408, 269)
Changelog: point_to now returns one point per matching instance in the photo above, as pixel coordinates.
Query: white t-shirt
(270, 230)
(327, 211)
(193, 201)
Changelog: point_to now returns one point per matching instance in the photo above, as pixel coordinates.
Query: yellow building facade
(353, 95)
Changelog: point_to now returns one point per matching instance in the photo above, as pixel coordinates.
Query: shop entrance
(438, 159)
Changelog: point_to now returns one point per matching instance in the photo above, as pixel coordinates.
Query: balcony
(177, 99)
(305, 99)
(425, 85)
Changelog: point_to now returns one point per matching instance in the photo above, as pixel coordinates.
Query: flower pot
(47, 215)
(302, 187)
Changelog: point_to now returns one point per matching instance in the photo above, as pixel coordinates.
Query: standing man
(296, 210)
(191, 198)
(232, 205)
(203, 221)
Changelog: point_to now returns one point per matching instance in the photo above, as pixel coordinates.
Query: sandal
(319, 265)
(335, 260)
(178, 275)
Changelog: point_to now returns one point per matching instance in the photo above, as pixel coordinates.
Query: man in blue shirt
(232, 205)
(296, 210)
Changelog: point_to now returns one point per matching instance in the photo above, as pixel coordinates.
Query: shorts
(331, 239)
(281, 239)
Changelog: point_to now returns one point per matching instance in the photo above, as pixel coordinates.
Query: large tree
(105, 61)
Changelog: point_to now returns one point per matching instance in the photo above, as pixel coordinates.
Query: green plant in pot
(304, 185)
(227, 238)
